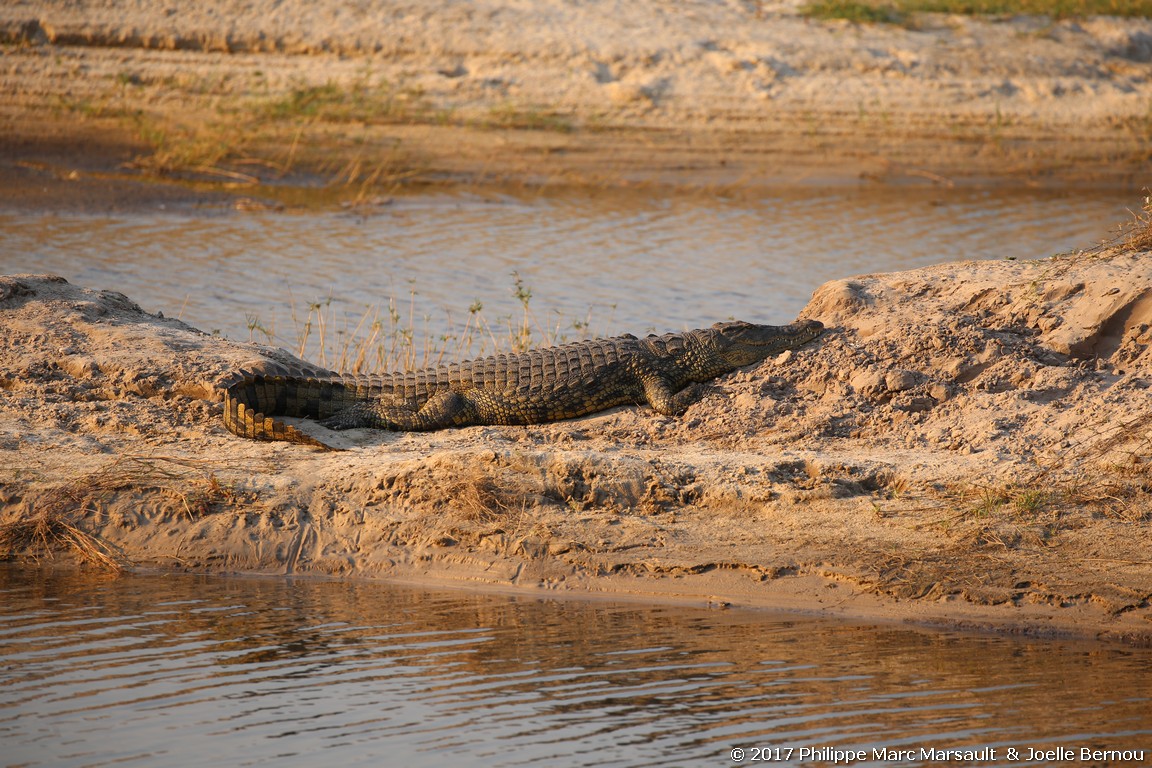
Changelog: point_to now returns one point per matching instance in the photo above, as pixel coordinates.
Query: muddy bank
(713, 95)
(967, 445)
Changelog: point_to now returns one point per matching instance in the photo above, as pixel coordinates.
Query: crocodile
(534, 387)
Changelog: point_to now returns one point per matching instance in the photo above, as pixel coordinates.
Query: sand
(967, 445)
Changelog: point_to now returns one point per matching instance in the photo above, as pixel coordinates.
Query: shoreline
(559, 95)
(83, 176)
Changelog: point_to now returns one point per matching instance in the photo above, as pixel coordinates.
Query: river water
(210, 671)
(186, 671)
(608, 261)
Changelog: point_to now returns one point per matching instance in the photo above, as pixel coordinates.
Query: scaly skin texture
(534, 387)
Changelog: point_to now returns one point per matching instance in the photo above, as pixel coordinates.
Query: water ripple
(255, 672)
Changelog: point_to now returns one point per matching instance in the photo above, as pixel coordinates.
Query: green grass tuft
(852, 10)
(897, 11)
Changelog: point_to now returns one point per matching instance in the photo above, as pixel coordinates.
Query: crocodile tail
(252, 400)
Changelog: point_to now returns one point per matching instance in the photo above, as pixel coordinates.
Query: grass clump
(528, 119)
(290, 130)
(857, 11)
(396, 337)
(1120, 483)
(898, 11)
(267, 138)
(360, 101)
(1009, 516)
(200, 151)
(1019, 502)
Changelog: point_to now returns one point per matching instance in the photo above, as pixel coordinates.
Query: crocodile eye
(732, 327)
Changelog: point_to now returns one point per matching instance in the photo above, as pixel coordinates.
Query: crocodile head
(739, 343)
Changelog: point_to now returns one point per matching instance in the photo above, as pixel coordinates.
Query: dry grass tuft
(53, 522)
(505, 512)
(1138, 236)
(50, 531)
(268, 139)
(479, 499)
(894, 485)
(1134, 235)
(399, 337)
(480, 496)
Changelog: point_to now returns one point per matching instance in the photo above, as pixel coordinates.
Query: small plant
(989, 503)
(1022, 502)
(893, 486)
(523, 340)
(255, 326)
(1030, 502)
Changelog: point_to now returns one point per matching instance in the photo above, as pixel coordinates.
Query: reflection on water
(622, 261)
(185, 671)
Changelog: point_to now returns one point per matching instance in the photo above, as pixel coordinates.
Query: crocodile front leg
(660, 395)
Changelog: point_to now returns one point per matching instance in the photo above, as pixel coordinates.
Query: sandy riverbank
(968, 445)
(706, 94)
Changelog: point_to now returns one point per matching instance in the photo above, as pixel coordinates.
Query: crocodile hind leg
(444, 409)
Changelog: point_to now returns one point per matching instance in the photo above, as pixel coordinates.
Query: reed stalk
(397, 338)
